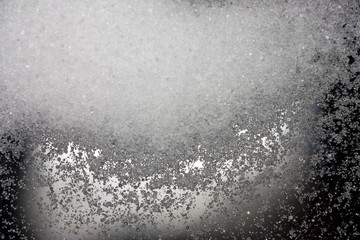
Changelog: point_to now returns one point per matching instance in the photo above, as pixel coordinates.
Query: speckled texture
(179, 119)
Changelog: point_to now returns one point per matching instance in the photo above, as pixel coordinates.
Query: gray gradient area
(169, 119)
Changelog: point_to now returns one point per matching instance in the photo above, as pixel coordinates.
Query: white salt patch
(266, 143)
(242, 132)
(97, 153)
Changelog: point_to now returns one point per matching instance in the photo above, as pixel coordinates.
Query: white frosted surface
(160, 119)
(153, 68)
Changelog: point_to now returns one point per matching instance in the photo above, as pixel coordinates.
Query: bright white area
(162, 69)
